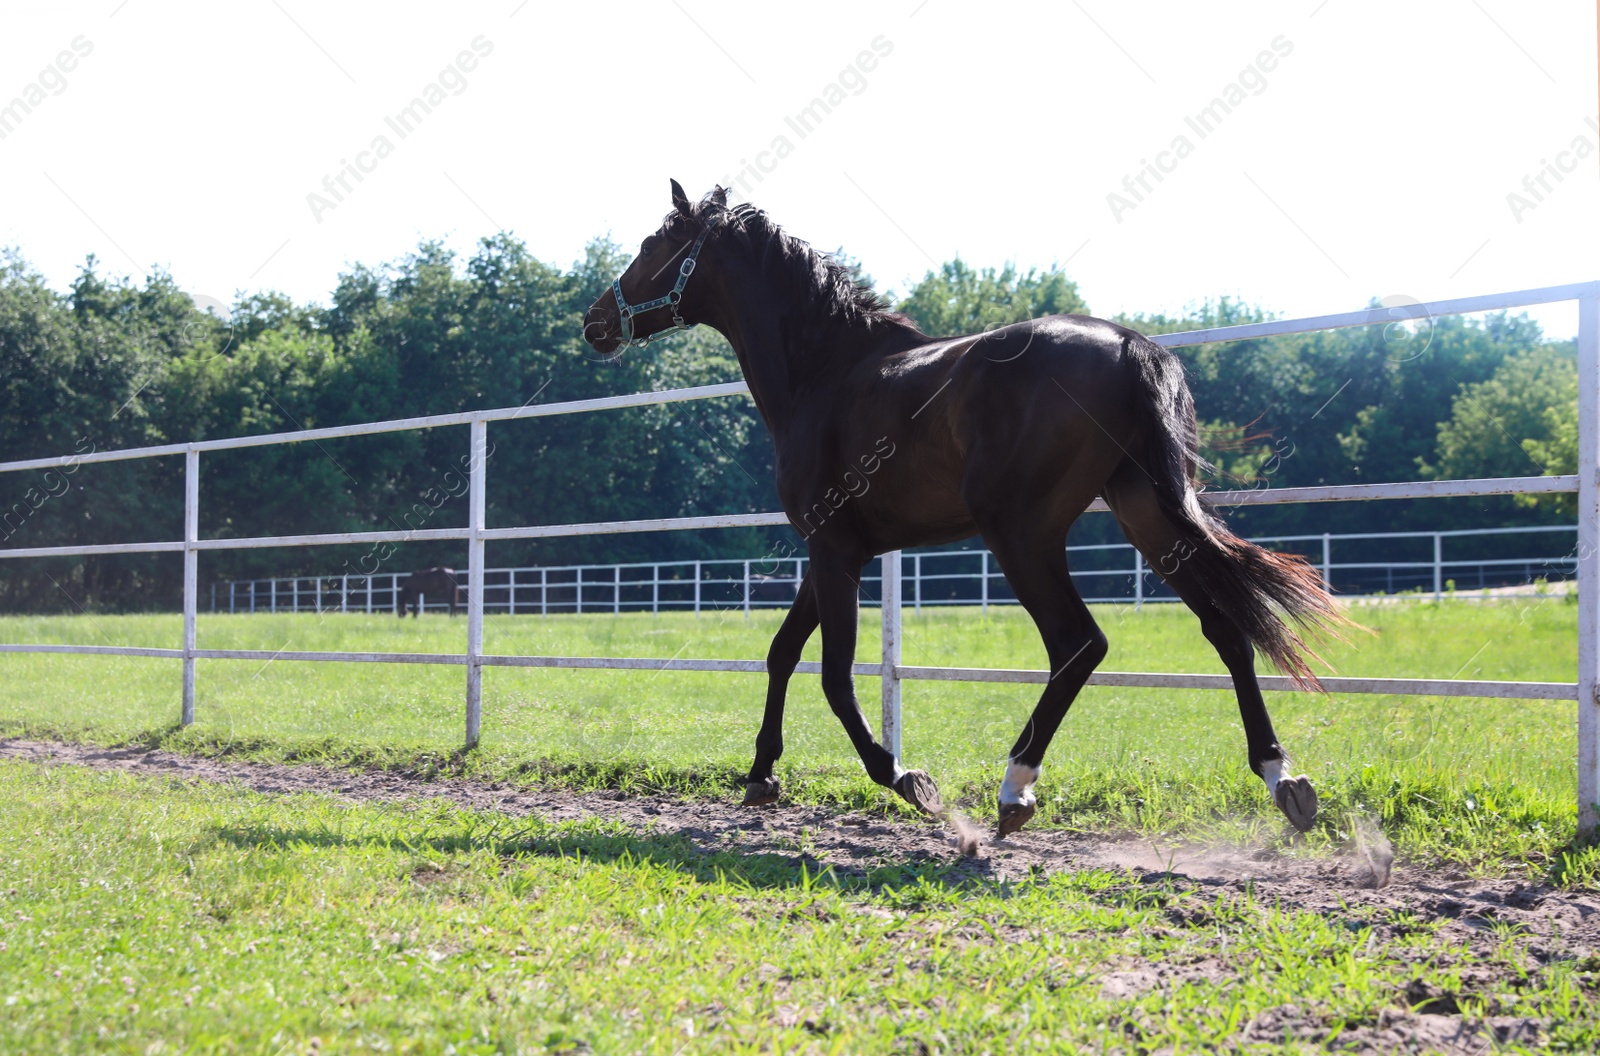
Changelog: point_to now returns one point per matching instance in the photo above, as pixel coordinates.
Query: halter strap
(672, 298)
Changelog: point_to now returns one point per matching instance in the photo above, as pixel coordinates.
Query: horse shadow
(908, 876)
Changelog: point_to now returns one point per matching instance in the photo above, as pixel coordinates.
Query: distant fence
(950, 577)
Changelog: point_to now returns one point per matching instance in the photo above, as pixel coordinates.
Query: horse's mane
(824, 285)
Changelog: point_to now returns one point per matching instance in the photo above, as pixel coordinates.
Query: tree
(1521, 420)
(112, 363)
(960, 300)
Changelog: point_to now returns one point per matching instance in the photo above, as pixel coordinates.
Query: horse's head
(654, 297)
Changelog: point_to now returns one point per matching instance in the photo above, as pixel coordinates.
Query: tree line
(111, 363)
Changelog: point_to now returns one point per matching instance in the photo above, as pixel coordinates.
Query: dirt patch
(1399, 1032)
(1551, 922)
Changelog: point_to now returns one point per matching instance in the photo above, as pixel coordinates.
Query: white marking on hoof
(1272, 773)
(1017, 788)
(1290, 794)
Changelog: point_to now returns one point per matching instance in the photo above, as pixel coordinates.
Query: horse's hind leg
(1168, 551)
(1034, 561)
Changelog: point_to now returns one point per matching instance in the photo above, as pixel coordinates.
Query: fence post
(890, 666)
(747, 591)
(230, 597)
(1327, 563)
(916, 580)
(1138, 581)
(1438, 567)
(475, 523)
(616, 589)
(344, 593)
(697, 588)
(578, 591)
(1588, 560)
(191, 574)
(544, 592)
(983, 582)
(655, 590)
(294, 594)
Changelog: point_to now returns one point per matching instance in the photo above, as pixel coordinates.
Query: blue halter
(672, 298)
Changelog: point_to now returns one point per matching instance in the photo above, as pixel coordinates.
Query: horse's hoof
(760, 793)
(1012, 817)
(1298, 801)
(918, 789)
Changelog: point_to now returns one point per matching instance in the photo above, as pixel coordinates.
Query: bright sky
(1370, 150)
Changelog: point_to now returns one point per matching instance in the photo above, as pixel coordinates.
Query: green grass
(149, 916)
(1487, 784)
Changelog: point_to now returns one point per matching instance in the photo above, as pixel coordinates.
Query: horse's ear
(680, 201)
(719, 196)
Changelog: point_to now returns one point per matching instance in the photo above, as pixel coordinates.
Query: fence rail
(947, 577)
(890, 669)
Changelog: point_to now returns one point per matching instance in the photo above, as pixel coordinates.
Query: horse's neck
(764, 359)
(778, 364)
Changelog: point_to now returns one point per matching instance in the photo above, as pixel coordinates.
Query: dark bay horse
(887, 439)
(408, 595)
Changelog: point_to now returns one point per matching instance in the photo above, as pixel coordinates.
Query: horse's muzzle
(603, 331)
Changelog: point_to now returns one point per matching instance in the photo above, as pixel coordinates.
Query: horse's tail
(1267, 594)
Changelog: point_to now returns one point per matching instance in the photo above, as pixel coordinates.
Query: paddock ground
(1484, 784)
(315, 866)
(160, 902)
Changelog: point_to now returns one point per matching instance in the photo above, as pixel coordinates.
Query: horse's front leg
(838, 608)
(760, 786)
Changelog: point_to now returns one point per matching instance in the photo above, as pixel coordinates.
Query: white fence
(946, 577)
(890, 669)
